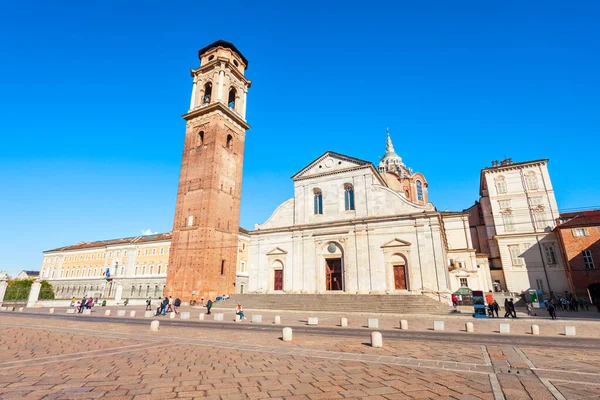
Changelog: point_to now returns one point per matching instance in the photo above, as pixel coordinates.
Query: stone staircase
(359, 303)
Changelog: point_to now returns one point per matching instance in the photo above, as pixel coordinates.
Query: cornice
(216, 106)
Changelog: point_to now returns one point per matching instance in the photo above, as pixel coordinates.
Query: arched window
(207, 93)
(132, 290)
(95, 271)
(140, 291)
(229, 142)
(419, 190)
(532, 182)
(318, 201)
(200, 138)
(348, 197)
(231, 98)
(155, 290)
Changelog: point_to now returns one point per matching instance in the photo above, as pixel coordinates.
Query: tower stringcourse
(202, 261)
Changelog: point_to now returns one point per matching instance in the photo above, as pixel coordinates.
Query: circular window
(211, 57)
(236, 63)
(332, 248)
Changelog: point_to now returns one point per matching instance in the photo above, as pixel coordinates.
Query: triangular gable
(396, 243)
(276, 252)
(328, 163)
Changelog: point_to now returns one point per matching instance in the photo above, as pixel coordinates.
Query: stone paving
(71, 358)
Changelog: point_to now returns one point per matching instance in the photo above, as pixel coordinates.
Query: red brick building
(579, 237)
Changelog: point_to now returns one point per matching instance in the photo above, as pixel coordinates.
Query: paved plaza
(63, 356)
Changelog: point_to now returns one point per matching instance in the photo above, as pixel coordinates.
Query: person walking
(149, 304)
(82, 304)
(170, 304)
(496, 308)
(551, 310)
(209, 304)
(511, 306)
(506, 309)
(90, 303)
(176, 305)
(164, 306)
(239, 311)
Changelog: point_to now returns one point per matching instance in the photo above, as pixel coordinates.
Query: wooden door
(400, 277)
(278, 283)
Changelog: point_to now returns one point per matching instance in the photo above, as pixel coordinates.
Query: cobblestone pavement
(54, 358)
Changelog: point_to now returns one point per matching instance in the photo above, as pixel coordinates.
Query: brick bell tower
(202, 261)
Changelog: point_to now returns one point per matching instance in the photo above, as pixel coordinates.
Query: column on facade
(244, 103)
(221, 83)
(296, 264)
(350, 264)
(193, 98)
(441, 268)
(362, 258)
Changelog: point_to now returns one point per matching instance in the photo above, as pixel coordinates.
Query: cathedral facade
(355, 228)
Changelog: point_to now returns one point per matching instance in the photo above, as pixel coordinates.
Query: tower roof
(390, 156)
(223, 43)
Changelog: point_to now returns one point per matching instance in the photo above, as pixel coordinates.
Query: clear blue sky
(92, 93)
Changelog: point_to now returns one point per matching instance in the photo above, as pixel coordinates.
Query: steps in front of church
(356, 303)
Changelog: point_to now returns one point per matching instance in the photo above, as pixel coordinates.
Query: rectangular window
(464, 282)
(504, 203)
(536, 201)
(318, 198)
(550, 256)
(580, 232)
(92, 256)
(125, 253)
(222, 267)
(190, 221)
(515, 255)
(501, 186)
(509, 224)
(349, 199)
(162, 251)
(540, 220)
(587, 259)
(139, 253)
(146, 252)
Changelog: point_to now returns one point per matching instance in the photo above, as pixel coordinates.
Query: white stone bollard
(373, 323)
(535, 330)
(218, 317)
(148, 314)
(404, 325)
(257, 318)
(201, 317)
(87, 311)
(132, 314)
(70, 311)
(2, 308)
(277, 320)
(51, 311)
(121, 313)
(469, 327)
(344, 322)
(287, 334)
(21, 309)
(154, 325)
(504, 328)
(107, 313)
(184, 315)
(313, 321)
(438, 325)
(376, 339)
(172, 315)
(238, 318)
(570, 331)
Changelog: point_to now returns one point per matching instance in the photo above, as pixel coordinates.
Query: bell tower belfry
(203, 253)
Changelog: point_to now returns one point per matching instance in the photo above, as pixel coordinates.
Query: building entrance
(333, 274)
(399, 277)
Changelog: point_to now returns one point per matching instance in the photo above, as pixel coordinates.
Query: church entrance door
(278, 281)
(333, 274)
(400, 277)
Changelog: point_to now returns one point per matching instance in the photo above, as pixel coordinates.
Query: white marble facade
(375, 242)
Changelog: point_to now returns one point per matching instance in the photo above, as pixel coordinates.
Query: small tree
(46, 291)
(19, 289)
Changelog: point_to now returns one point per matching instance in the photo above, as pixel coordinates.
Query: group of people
(568, 302)
(493, 309)
(166, 305)
(84, 303)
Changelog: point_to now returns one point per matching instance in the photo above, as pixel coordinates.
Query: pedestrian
(164, 306)
(209, 304)
(202, 300)
(149, 304)
(170, 304)
(454, 300)
(490, 310)
(511, 306)
(126, 302)
(496, 308)
(551, 310)
(586, 302)
(530, 310)
(176, 305)
(506, 308)
(90, 303)
(73, 301)
(239, 311)
(82, 304)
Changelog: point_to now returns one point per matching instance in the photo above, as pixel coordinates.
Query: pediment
(276, 252)
(329, 162)
(396, 243)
